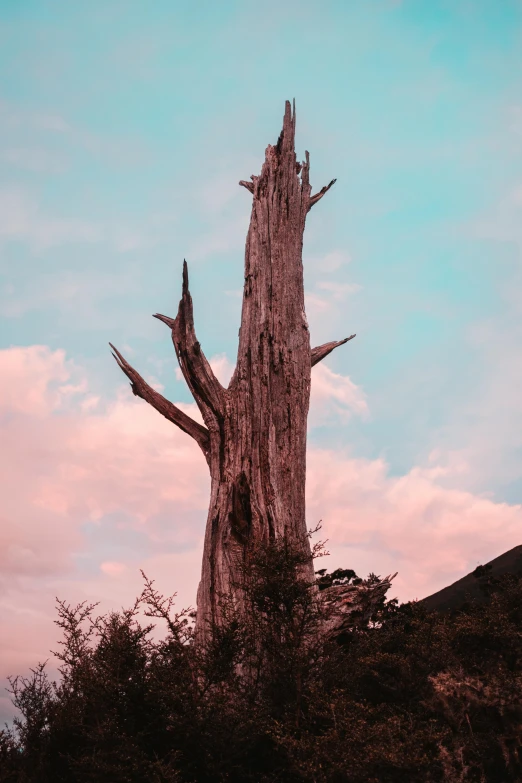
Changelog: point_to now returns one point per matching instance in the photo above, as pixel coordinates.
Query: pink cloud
(331, 261)
(334, 396)
(316, 305)
(221, 365)
(331, 293)
(430, 534)
(94, 491)
(65, 465)
(223, 368)
(112, 568)
(338, 291)
(37, 381)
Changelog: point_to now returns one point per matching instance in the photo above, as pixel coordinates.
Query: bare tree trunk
(254, 440)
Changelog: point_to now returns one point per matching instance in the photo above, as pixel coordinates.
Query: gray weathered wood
(254, 438)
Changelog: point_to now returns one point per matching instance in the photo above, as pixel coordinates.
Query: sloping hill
(453, 596)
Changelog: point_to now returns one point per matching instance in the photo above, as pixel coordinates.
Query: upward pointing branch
(318, 196)
(205, 387)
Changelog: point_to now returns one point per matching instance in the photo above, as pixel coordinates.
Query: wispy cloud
(328, 294)
(34, 159)
(16, 117)
(338, 291)
(22, 219)
(330, 262)
(17, 121)
(334, 398)
(219, 236)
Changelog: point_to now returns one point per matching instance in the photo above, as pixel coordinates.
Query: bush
(408, 695)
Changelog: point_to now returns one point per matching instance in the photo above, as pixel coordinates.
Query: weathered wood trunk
(254, 438)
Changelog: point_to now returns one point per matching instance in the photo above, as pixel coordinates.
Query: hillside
(454, 596)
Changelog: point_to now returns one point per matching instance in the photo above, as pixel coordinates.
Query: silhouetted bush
(407, 696)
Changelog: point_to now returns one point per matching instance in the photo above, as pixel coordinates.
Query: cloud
(514, 115)
(68, 465)
(14, 117)
(501, 222)
(430, 534)
(34, 159)
(319, 306)
(225, 210)
(485, 429)
(338, 291)
(315, 305)
(22, 219)
(113, 569)
(331, 292)
(334, 398)
(217, 193)
(36, 380)
(222, 367)
(330, 262)
(16, 122)
(219, 236)
(63, 290)
(94, 490)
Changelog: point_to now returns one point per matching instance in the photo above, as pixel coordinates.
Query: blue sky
(160, 109)
(124, 130)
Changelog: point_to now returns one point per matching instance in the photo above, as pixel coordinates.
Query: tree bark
(254, 438)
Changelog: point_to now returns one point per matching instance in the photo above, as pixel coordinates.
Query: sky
(125, 128)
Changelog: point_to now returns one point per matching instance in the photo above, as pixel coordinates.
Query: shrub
(408, 695)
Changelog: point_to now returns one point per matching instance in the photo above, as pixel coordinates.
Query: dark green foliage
(340, 576)
(411, 695)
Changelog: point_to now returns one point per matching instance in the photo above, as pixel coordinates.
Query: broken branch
(323, 350)
(248, 185)
(142, 389)
(318, 196)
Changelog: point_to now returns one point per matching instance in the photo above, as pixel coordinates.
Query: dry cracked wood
(254, 438)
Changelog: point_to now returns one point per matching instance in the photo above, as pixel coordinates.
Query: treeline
(409, 695)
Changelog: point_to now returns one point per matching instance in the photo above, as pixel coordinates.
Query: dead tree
(254, 438)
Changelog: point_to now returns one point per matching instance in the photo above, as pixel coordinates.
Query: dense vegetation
(409, 696)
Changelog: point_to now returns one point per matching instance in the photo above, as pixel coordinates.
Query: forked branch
(323, 350)
(142, 389)
(205, 387)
